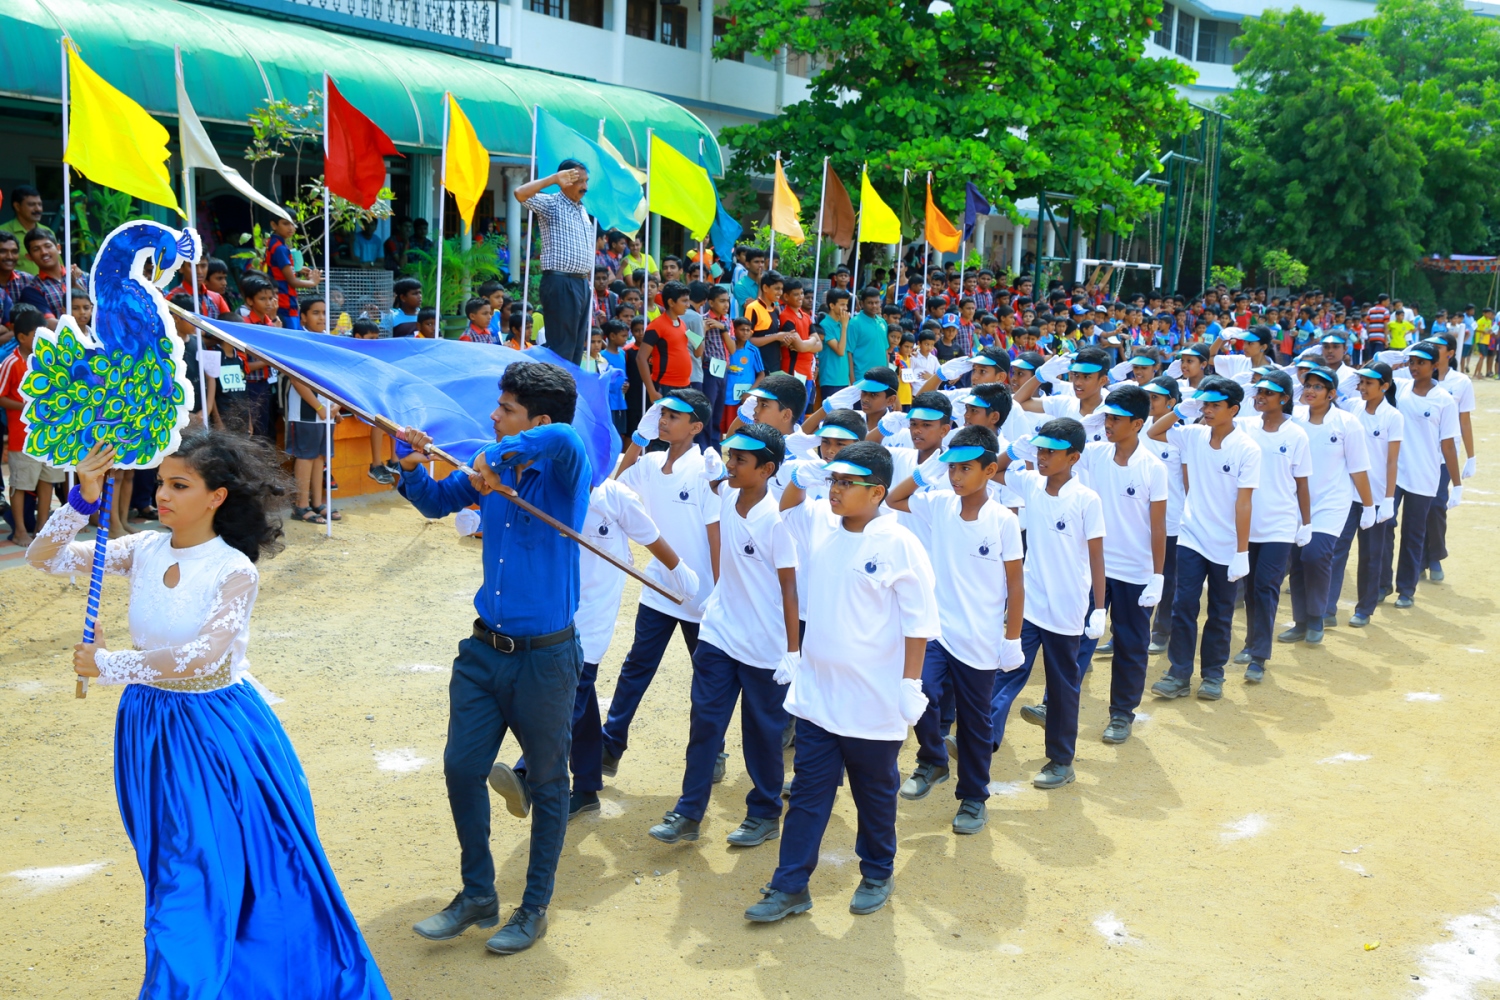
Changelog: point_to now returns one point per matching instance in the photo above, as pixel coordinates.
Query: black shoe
(871, 895)
(526, 927)
(458, 916)
(1384, 593)
(719, 767)
(674, 828)
(756, 830)
(582, 802)
(1211, 688)
(922, 781)
(1255, 672)
(1035, 714)
(1294, 634)
(609, 766)
(776, 904)
(509, 786)
(1118, 730)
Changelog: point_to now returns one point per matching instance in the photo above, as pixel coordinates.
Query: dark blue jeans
(1341, 550)
(820, 762)
(1161, 622)
(653, 630)
(530, 693)
(1262, 595)
(1436, 549)
(1414, 510)
(1374, 565)
(1310, 568)
(1130, 629)
(1193, 571)
(586, 760)
(718, 682)
(1060, 661)
(972, 690)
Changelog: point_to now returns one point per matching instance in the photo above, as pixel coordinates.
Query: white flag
(197, 151)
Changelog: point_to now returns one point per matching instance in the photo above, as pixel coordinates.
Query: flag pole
(771, 229)
(67, 209)
(900, 241)
(818, 245)
(327, 222)
(703, 274)
(192, 214)
(442, 206)
(859, 222)
(526, 250)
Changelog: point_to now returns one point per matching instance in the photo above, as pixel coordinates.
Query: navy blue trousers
(1130, 629)
(586, 760)
(719, 681)
(972, 690)
(1193, 572)
(1414, 510)
(1161, 622)
(1310, 568)
(1060, 661)
(653, 630)
(529, 692)
(1374, 565)
(1436, 549)
(1341, 550)
(874, 779)
(1263, 593)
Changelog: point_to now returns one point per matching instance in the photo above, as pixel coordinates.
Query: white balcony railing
(474, 20)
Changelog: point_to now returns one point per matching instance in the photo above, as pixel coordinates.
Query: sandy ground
(1328, 834)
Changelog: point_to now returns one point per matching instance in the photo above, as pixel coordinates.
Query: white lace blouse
(191, 637)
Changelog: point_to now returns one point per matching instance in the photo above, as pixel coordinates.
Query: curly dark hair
(251, 471)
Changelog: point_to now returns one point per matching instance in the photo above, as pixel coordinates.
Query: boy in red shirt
(665, 358)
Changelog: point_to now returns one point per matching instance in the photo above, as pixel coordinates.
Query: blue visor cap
(1332, 338)
(1050, 443)
(1370, 373)
(744, 442)
(1422, 352)
(847, 468)
(1141, 361)
(870, 385)
(1195, 352)
(1268, 386)
(976, 400)
(1159, 390)
(1322, 373)
(836, 432)
(1023, 363)
(984, 359)
(1265, 369)
(673, 403)
(760, 393)
(1085, 367)
(1249, 335)
(1310, 363)
(1210, 396)
(926, 413)
(967, 453)
(1118, 411)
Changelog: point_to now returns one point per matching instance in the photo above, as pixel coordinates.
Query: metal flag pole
(703, 274)
(900, 242)
(526, 250)
(771, 229)
(859, 222)
(818, 245)
(328, 222)
(67, 210)
(192, 214)
(441, 211)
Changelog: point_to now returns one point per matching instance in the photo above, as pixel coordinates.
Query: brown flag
(837, 219)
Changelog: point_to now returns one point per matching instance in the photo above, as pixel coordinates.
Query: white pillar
(513, 215)
(515, 29)
(1051, 238)
(1017, 238)
(617, 41)
(981, 224)
(705, 48)
(780, 63)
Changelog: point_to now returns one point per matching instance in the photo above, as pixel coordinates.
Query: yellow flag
(112, 140)
(877, 223)
(785, 209)
(941, 235)
(680, 189)
(466, 166)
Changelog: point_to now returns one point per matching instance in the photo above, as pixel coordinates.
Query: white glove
(1230, 365)
(1455, 496)
(650, 426)
(956, 368)
(1051, 369)
(1244, 378)
(747, 409)
(682, 574)
(841, 400)
(893, 423)
(809, 474)
(713, 466)
(1470, 467)
(1387, 510)
(1392, 358)
(1011, 655)
(1239, 566)
(1190, 409)
(787, 667)
(1151, 596)
(1022, 451)
(1304, 534)
(466, 522)
(913, 700)
(1174, 370)
(1095, 627)
(1367, 516)
(932, 473)
(1121, 371)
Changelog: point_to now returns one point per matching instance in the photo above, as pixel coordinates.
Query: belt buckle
(496, 639)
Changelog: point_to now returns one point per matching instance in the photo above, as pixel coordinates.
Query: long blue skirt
(240, 899)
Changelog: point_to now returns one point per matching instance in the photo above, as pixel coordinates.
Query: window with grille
(1215, 39)
(1163, 35)
(1186, 23)
(674, 26)
(640, 19)
(552, 8)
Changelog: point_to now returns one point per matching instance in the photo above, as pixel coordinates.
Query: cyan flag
(613, 193)
(725, 232)
(447, 388)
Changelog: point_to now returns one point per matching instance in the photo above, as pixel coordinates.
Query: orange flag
(941, 234)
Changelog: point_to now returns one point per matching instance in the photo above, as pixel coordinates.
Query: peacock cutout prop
(123, 385)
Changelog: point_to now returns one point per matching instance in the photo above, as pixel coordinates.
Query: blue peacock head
(125, 383)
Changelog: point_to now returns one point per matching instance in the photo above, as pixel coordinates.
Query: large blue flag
(613, 192)
(447, 388)
(975, 205)
(726, 230)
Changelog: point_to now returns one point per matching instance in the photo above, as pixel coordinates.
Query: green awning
(233, 61)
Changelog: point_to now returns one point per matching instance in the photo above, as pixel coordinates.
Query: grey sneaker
(1314, 634)
(776, 904)
(1254, 673)
(1294, 634)
(789, 734)
(1035, 714)
(609, 765)
(951, 742)
(1435, 574)
(1357, 620)
(719, 767)
(972, 815)
(1404, 602)
(1156, 648)
(1106, 648)
(1211, 689)
(509, 786)
(1118, 730)
(1330, 621)
(1171, 687)
(1242, 657)
(526, 927)
(756, 830)
(380, 474)
(674, 828)
(458, 916)
(1054, 775)
(871, 895)
(922, 781)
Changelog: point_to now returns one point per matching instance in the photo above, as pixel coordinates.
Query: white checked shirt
(567, 233)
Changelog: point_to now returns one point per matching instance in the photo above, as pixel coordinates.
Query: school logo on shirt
(749, 548)
(1377, 434)
(603, 529)
(1283, 451)
(1333, 438)
(682, 495)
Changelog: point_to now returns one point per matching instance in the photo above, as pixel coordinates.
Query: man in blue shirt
(519, 669)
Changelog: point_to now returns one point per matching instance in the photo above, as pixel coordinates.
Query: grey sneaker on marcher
(1242, 657)
(1404, 602)
(1314, 634)
(1294, 634)
(776, 904)
(1118, 730)
(1255, 672)
(951, 742)
(1211, 689)
(719, 767)
(871, 895)
(510, 787)
(1156, 647)
(1172, 687)
(1330, 621)
(756, 830)
(609, 764)
(1035, 714)
(922, 781)
(674, 828)
(1054, 775)
(1358, 620)
(1435, 574)
(526, 927)
(1106, 648)
(458, 916)
(972, 816)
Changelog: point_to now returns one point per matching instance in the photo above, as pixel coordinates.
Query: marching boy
(976, 555)
(747, 646)
(870, 612)
(1064, 567)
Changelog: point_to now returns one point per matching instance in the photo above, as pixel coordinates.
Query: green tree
(1012, 95)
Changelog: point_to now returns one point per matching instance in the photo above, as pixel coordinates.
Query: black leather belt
(510, 644)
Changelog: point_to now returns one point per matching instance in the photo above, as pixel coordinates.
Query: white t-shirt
(616, 518)
(1058, 574)
(1069, 406)
(905, 461)
(1215, 478)
(743, 616)
(1429, 421)
(1171, 456)
(1382, 427)
(1284, 458)
(968, 558)
(867, 592)
(1126, 493)
(682, 506)
(1460, 387)
(1338, 451)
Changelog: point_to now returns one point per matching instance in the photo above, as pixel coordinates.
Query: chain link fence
(362, 294)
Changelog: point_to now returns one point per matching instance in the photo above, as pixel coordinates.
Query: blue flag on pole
(613, 193)
(446, 388)
(975, 205)
(725, 232)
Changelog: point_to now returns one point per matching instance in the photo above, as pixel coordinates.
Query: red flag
(354, 167)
